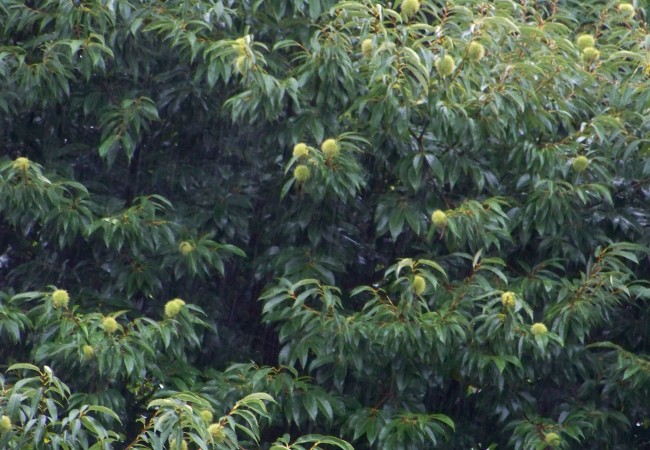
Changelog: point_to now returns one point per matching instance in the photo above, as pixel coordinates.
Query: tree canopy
(318, 224)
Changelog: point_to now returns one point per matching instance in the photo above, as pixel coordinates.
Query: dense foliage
(309, 224)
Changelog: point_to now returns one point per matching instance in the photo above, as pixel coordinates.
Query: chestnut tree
(302, 224)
